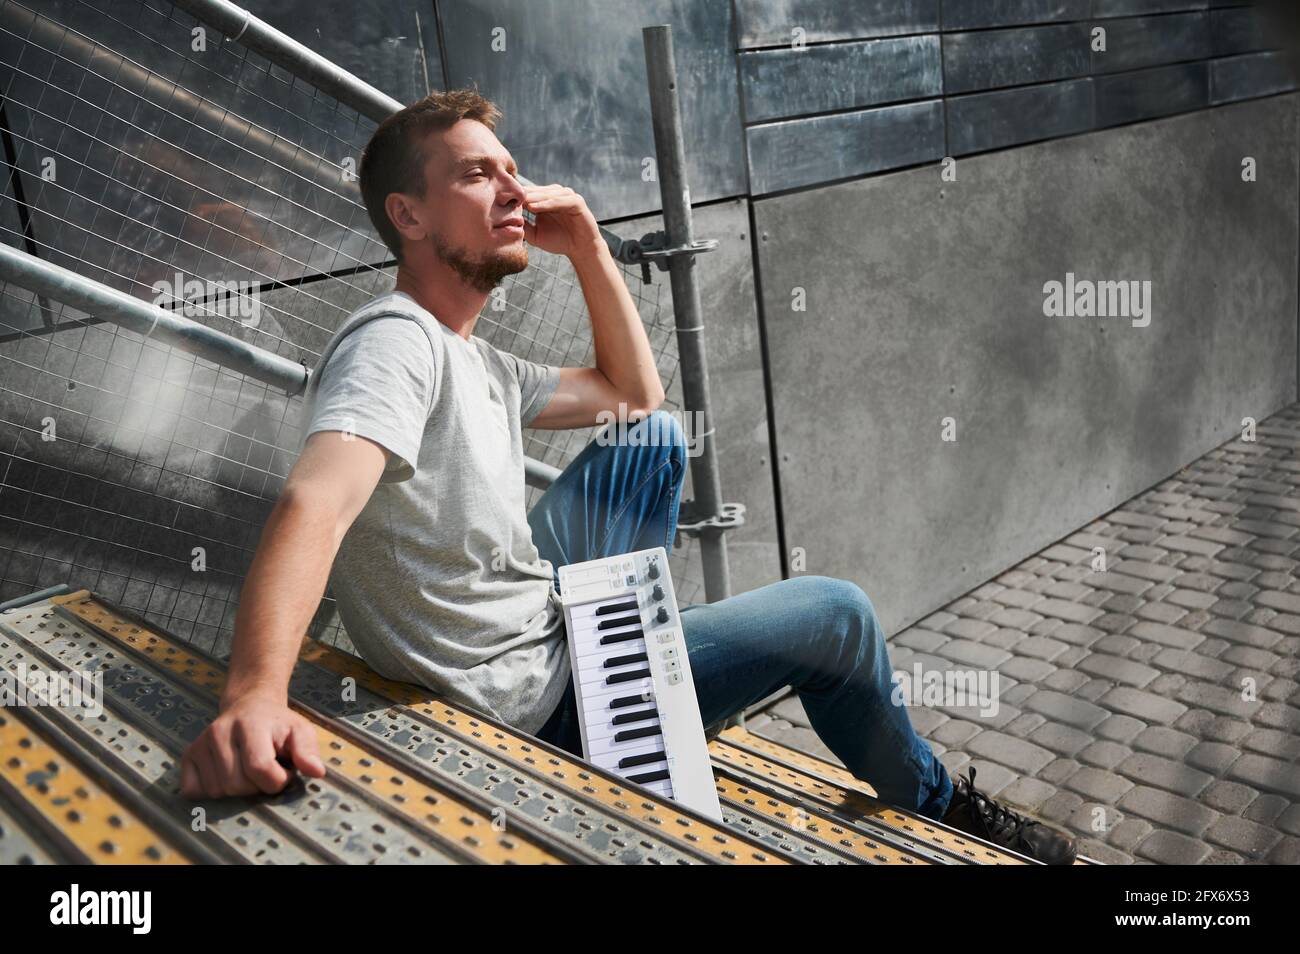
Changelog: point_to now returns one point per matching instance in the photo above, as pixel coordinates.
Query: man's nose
(515, 188)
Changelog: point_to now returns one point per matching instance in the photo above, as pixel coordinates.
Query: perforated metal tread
(597, 818)
(414, 778)
(364, 811)
(82, 819)
(834, 786)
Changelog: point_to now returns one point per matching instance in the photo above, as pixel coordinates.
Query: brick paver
(1157, 697)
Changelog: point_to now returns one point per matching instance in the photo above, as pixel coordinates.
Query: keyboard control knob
(657, 593)
(662, 615)
(652, 571)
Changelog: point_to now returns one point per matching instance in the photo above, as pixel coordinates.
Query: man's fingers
(227, 764)
(201, 759)
(304, 750)
(191, 784)
(257, 750)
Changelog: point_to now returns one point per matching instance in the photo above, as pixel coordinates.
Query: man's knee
(664, 430)
(849, 638)
(659, 432)
(844, 601)
(836, 593)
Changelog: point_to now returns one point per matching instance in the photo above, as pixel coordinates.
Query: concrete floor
(1154, 707)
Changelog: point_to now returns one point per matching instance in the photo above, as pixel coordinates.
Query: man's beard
(482, 274)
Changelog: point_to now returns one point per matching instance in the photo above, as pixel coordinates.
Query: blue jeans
(815, 633)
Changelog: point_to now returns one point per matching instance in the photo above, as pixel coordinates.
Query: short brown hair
(393, 160)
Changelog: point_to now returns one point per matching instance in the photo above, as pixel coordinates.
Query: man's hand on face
(240, 753)
(564, 226)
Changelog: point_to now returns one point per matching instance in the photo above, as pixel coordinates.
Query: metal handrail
(153, 321)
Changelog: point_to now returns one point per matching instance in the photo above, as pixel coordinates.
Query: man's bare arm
(625, 370)
(238, 753)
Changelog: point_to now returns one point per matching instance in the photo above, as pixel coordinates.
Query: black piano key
(627, 660)
(621, 637)
(634, 620)
(624, 701)
(616, 608)
(649, 776)
(634, 760)
(628, 735)
(628, 676)
(639, 716)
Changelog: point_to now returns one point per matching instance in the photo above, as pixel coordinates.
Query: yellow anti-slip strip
(429, 807)
(827, 770)
(828, 833)
(96, 824)
(851, 796)
(699, 834)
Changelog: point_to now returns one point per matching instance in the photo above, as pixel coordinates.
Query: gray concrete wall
(925, 300)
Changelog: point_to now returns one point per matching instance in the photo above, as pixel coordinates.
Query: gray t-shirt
(438, 581)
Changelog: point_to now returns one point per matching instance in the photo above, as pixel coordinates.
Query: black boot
(972, 811)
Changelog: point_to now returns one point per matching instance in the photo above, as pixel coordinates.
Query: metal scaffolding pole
(670, 152)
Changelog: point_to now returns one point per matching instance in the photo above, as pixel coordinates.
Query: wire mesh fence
(147, 152)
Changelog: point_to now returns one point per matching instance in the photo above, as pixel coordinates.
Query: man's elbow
(647, 402)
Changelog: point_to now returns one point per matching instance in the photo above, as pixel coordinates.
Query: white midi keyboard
(632, 679)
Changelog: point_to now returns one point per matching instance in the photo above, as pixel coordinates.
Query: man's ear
(405, 216)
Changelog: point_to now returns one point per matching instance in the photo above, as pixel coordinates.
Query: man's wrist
(591, 255)
(240, 692)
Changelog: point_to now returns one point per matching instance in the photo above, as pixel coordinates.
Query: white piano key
(605, 745)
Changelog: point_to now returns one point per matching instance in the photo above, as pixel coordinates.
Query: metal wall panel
(925, 300)
(1248, 76)
(1129, 8)
(393, 46)
(816, 79)
(987, 46)
(980, 14)
(989, 59)
(800, 152)
(571, 82)
(729, 302)
(1237, 30)
(984, 121)
(1147, 94)
(1140, 42)
(775, 22)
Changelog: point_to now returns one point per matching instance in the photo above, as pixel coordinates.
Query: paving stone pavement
(1153, 706)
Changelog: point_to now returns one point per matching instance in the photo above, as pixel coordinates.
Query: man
(411, 484)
